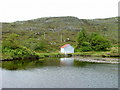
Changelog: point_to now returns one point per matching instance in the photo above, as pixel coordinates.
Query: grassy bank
(112, 53)
(96, 54)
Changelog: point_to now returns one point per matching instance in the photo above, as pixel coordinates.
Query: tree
(98, 42)
(86, 46)
(82, 37)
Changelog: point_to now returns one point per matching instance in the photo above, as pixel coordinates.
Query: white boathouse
(67, 48)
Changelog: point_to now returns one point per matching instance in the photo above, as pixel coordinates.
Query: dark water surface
(58, 73)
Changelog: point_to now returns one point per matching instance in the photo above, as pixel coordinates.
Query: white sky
(17, 10)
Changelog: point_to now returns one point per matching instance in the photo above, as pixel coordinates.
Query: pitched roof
(65, 45)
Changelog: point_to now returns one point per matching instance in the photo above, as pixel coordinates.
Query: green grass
(112, 52)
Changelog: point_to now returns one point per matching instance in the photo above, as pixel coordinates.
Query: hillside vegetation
(48, 34)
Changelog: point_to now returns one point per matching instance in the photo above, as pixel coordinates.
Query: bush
(10, 44)
(18, 52)
(98, 42)
(94, 42)
(36, 45)
(40, 46)
(86, 44)
(82, 37)
(85, 47)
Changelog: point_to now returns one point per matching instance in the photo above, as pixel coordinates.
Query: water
(0, 78)
(58, 73)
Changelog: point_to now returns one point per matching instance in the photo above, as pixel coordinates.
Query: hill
(54, 32)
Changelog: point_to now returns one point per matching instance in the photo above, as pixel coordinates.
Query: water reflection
(29, 64)
(80, 63)
(66, 61)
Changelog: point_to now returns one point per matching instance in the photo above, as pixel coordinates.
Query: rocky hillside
(55, 28)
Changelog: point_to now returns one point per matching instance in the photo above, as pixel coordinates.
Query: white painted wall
(68, 49)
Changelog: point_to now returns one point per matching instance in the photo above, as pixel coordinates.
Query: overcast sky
(17, 10)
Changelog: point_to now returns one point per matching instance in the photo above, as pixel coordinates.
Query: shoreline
(100, 60)
(57, 56)
(78, 54)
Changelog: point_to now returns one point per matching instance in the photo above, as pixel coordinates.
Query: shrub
(85, 47)
(94, 42)
(98, 42)
(86, 44)
(40, 46)
(82, 37)
(36, 45)
(18, 52)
